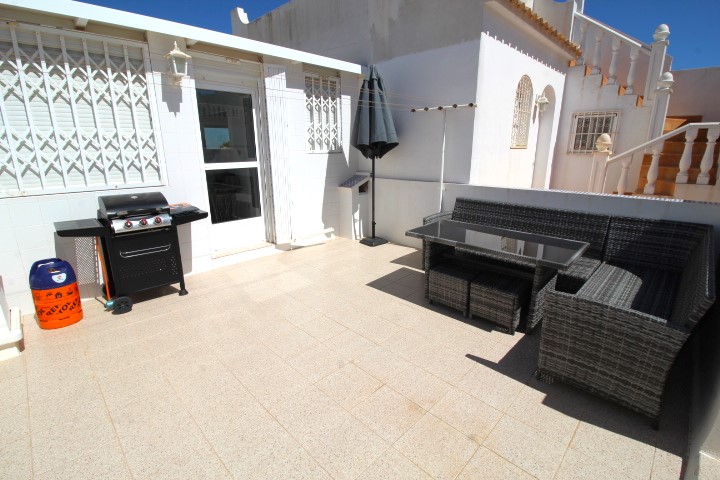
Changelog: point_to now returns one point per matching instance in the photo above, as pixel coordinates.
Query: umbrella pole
(373, 241)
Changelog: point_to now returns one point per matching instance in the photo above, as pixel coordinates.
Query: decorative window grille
(521, 114)
(322, 105)
(75, 113)
(588, 126)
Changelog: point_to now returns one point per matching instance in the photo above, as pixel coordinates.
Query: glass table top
(540, 249)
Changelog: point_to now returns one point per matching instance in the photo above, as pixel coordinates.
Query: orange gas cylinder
(55, 293)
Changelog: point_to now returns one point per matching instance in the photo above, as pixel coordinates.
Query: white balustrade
(596, 55)
(634, 54)
(612, 79)
(622, 182)
(653, 171)
(707, 161)
(686, 158)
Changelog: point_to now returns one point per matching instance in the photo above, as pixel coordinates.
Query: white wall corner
(240, 21)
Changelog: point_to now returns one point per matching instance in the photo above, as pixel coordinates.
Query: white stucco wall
(28, 222)
(572, 171)
(694, 93)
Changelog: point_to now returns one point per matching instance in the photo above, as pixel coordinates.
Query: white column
(279, 163)
(581, 41)
(612, 72)
(657, 61)
(630, 89)
(707, 160)
(653, 172)
(596, 54)
(660, 106)
(686, 159)
(622, 183)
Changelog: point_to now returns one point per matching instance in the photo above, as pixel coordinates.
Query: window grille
(521, 113)
(75, 113)
(588, 126)
(322, 104)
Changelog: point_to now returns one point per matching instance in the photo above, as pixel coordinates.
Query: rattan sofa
(581, 226)
(619, 334)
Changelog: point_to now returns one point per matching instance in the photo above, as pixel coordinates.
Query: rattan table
(537, 255)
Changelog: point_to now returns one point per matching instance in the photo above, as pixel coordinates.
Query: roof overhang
(86, 13)
(542, 27)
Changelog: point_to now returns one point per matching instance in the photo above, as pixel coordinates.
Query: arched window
(521, 114)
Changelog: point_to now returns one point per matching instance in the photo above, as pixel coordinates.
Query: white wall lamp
(178, 63)
(542, 102)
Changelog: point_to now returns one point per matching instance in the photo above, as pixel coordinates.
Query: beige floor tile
(374, 327)
(66, 442)
(331, 435)
(491, 386)
(576, 466)
(14, 391)
(141, 383)
(318, 362)
(16, 459)
(421, 387)
(527, 448)
(487, 465)
(262, 449)
(198, 382)
(467, 414)
(202, 464)
(349, 386)
(322, 328)
(61, 407)
(381, 363)
(666, 465)
(388, 413)
(631, 457)
(557, 421)
(14, 421)
(104, 461)
(12, 368)
(289, 341)
(436, 447)
(392, 465)
(349, 344)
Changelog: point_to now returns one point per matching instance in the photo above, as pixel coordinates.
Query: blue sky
(693, 43)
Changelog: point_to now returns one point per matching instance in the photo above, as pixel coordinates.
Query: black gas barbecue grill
(140, 247)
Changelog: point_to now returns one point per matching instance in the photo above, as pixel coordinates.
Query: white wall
(572, 171)
(401, 205)
(28, 230)
(509, 49)
(694, 93)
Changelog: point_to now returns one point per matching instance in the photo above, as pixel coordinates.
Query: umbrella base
(373, 241)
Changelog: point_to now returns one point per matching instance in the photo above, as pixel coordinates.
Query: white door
(230, 150)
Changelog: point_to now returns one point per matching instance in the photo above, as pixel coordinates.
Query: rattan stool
(449, 285)
(499, 298)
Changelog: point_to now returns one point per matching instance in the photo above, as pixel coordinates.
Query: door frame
(260, 145)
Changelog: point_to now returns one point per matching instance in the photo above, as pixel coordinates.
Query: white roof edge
(94, 13)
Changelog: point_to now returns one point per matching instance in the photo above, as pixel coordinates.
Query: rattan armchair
(619, 334)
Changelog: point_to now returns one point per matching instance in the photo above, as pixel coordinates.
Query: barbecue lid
(116, 206)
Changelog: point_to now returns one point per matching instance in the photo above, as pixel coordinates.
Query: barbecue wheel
(122, 305)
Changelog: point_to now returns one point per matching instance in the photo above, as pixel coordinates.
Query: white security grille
(75, 114)
(322, 105)
(588, 126)
(521, 113)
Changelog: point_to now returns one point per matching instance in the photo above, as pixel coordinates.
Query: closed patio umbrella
(374, 132)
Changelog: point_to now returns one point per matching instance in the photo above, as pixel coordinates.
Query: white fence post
(653, 172)
(686, 159)
(707, 160)
(657, 60)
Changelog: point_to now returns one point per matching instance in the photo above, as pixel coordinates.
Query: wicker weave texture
(499, 299)
(450, 285)
(615, 353)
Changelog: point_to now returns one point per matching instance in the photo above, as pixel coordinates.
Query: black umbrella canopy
(374, 132)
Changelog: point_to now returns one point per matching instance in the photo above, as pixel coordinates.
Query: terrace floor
(322, 362)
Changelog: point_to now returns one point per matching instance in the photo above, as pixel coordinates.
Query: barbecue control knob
(143, 221)
(128, 224)
(158, 220)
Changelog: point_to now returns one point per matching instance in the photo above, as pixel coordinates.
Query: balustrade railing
(655, 146)
(603, 48)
